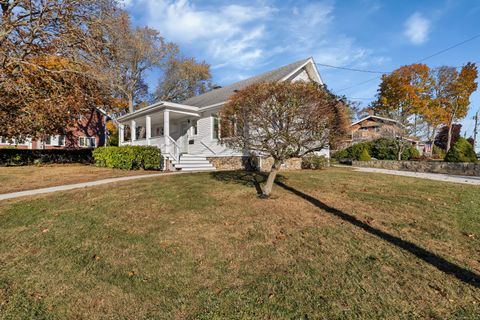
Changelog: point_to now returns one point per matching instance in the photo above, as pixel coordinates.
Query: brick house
(89, 131)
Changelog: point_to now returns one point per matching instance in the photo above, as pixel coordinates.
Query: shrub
(461, 151)
(365, 156)
(437, 152)
(411, 153)
(128, 157)
(22, 157)
(381, 149)
(313, 161)
(353, 152)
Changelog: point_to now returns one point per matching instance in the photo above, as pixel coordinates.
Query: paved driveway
(422, 175)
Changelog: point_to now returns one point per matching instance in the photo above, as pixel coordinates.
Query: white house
(188, 133)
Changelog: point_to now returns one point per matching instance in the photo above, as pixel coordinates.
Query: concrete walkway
(25, 193)
(431, 176)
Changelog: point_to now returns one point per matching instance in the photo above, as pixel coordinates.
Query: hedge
(22, 157)
(129, 157)
(380, 149)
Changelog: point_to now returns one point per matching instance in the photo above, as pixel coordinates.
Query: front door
(183, 140)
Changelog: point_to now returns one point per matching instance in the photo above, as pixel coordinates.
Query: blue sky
(242, 38)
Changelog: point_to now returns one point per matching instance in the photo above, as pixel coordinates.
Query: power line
(351, 69)
(451, 47)
(421, 60)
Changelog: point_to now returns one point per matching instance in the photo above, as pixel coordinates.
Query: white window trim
(213, 126)
(84, 144)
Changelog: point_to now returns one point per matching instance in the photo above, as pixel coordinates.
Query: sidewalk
(472, 180)
(66, 187)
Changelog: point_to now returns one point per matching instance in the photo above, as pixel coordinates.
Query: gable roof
(220, 95)
(376, 118)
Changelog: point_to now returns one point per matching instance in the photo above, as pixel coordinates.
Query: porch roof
(161, 106)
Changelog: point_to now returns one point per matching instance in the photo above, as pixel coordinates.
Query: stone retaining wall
(462, 169)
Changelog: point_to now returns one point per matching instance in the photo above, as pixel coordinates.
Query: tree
(282, 120)
(441, 139)
(135, 51)
(455, 95)
(183, 78)
(47, 74)
(404, 94)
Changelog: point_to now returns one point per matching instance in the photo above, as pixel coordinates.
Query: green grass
(203, 246)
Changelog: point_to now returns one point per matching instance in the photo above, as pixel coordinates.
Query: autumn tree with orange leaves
(282, 120)
(49, 56)
(438, 96)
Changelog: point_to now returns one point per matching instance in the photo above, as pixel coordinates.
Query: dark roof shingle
(223, 94)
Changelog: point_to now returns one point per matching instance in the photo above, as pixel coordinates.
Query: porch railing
(174, 149)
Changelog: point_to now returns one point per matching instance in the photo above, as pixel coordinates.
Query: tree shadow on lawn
(254, 179)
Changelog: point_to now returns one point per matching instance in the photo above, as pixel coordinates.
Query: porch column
(166, 126)
(121, 133)
(148, 124)
(133, 130)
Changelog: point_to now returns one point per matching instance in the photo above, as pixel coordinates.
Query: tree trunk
(130, 104)
(449, 137)
(267, 188)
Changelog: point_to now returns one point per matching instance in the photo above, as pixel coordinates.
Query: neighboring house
(188, 133)
(373, 127)
(89, 131)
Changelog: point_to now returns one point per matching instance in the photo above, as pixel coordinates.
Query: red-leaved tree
(282, 120)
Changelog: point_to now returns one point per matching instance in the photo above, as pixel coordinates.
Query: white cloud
(417, 28)
(225, 33)
(241, 38)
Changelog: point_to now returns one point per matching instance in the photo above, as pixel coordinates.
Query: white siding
(302, 76)
(205, 137)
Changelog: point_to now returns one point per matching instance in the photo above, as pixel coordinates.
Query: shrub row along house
(189, 133)
(89, 131)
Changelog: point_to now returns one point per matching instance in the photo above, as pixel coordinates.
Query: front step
(190, 162)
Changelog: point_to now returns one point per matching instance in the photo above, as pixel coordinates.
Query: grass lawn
(14, 179)
(332, 244)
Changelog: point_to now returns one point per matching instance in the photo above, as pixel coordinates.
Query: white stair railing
(176, 149)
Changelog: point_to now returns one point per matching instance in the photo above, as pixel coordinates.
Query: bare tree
(183, 78)
(282, 120)
(135, 50)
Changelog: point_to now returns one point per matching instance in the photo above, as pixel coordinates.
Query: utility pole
(475, 130)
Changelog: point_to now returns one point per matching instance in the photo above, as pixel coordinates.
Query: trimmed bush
(128, 157)
(461, 151)
(365, 156)
(23, 157)
(315, 162)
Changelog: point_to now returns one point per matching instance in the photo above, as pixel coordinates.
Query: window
(3, 140)
(87, 142)
(47, 140)
(216, 126)
(194, 127)
(61, 140)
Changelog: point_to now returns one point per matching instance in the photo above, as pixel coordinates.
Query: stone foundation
(265, 164)
(231, 163)
(462, 169)
(252, 163)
